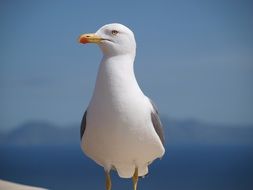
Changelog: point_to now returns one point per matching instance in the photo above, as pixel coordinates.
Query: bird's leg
(108, 183)
(135, 178)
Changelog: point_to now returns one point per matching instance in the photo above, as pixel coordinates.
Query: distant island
(177, 132)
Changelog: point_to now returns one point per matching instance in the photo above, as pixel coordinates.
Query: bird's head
(113, 39)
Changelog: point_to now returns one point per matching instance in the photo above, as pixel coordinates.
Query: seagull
(120, 129)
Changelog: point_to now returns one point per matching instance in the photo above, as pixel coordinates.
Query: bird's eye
(115, 32)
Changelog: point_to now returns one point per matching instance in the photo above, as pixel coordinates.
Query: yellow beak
(89, 38)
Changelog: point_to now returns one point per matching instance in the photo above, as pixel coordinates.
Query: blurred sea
(191, 167)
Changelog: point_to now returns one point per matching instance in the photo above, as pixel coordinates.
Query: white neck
(116, 77)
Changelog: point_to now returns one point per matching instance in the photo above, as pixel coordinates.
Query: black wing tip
(83, 125)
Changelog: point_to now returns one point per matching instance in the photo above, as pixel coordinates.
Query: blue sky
(194, 58)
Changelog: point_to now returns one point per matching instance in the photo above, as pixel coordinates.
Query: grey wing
(157, 124)
(83, 124)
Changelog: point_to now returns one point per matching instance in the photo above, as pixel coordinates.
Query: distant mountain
(195, 132)
(176, 133)
(41, 133)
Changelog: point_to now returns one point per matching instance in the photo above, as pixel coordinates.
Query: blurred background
(194, 59)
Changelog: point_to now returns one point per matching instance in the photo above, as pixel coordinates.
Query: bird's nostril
(87, 36)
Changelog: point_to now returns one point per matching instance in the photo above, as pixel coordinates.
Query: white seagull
(120, 129)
